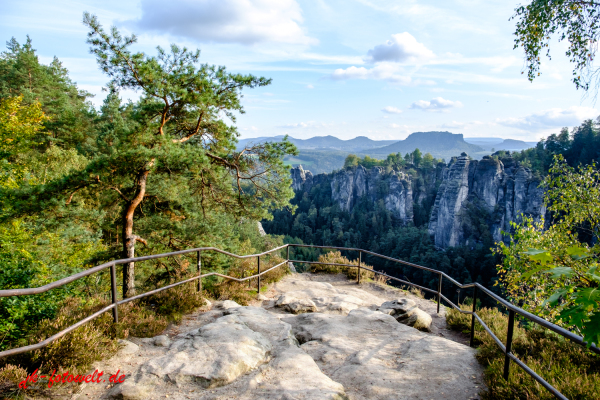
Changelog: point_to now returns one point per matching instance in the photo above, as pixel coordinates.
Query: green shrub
(570, 368)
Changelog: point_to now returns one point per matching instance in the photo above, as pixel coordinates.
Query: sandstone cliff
(467, 194)
(500, 191)
(349, 185)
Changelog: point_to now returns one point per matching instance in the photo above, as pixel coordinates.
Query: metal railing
(506, 348)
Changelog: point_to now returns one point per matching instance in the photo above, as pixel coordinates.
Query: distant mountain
(484, 141)
(327, 153)
(500, 144)
(439, 144)
(357, 144)
(512, 144)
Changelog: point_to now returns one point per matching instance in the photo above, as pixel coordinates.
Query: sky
(376, 68)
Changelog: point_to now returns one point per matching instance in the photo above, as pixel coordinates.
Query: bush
(570, 368)
(335, 257)
(244, 292)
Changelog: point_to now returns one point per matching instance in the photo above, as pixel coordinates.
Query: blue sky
(376, 68)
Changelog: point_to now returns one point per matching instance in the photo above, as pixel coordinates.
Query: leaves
(542, 256)
(569, 20)
(559, 272)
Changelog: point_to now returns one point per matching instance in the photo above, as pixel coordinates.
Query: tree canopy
(574, 20)
(552, 270)
(154, 170)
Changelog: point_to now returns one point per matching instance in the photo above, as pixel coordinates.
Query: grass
(335, 257)
(147, 317)
(570, 368)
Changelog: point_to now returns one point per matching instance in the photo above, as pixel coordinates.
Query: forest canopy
(81, 185)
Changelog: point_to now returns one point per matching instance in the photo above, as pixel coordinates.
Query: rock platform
(311, 337)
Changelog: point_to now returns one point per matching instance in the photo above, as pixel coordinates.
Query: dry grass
(244, 292)
(146, 317)
(335, 257)
(568, 367)
(76, 351)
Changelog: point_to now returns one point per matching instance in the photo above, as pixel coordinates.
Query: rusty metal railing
(506, 348)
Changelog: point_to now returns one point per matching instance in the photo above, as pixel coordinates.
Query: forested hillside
(371, 225)
(80, 185)
(323, 218)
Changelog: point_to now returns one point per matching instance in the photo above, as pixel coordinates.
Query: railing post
(258, 258)
(358, 269)
(439, 292)
(199, 288)
(472, 342)
(113, 289)
(509, 338)
(288, 253)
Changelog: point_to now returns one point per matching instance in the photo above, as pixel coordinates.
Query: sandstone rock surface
(375, 357)
(406, 312)
(347, 349)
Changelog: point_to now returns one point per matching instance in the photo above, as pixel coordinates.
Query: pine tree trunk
(129, 238)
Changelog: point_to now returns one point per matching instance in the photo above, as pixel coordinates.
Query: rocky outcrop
(499, 191)
(406, 312)
(219, 353)
(350, 184)
(375, 357)
(253, 352)
(301, 180)
(468, 193)
(394, 188)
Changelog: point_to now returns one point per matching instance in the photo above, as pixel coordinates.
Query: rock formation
(350, 184)
(503, 191)
(499, 191)
(343, 349)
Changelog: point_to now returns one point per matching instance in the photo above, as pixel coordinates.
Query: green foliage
(70, 114)
(552, 271)
(70, 173)
(580, 147)
(394, 161)
(32, 259)
(19, 124)
(570, 368)
(573, 20)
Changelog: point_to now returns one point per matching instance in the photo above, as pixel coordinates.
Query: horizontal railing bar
(55, 284)
(69, 279)
(367, 252)
(546, 324)
(451, 303)
(538, 378)
(60, 334)
(369, 270)
(404, 282)
(24, 349)
(492, 334)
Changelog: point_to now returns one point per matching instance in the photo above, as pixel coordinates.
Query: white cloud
(395, 126)
(436, 104)
(310, 87)
(403, 48)
(382, 71)
(391, 110)
(552, 118)
(227, 21)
